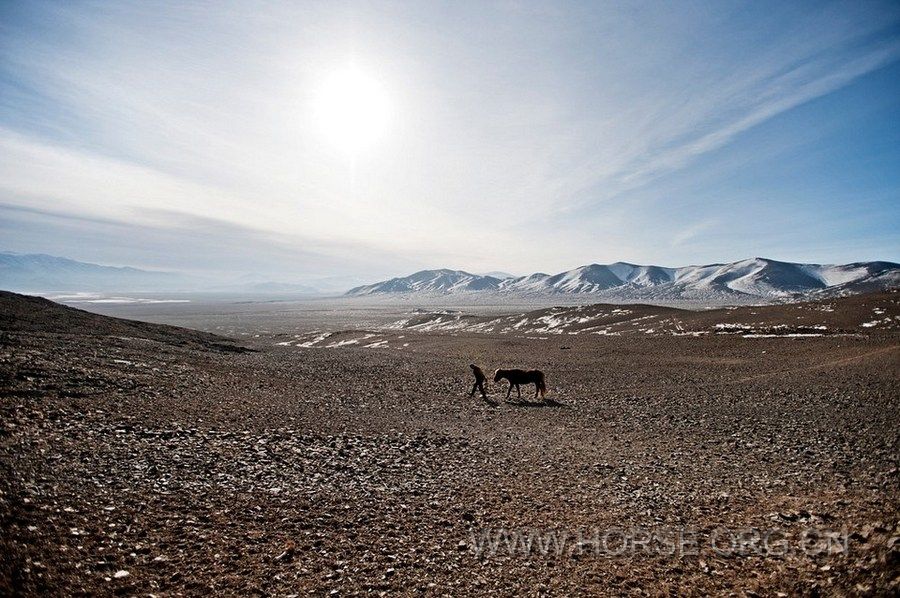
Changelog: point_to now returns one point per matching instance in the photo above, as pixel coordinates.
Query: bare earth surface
(343, 455)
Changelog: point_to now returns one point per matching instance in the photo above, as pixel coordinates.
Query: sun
(352, 110)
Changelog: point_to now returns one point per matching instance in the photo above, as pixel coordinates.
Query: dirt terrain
(341, 455)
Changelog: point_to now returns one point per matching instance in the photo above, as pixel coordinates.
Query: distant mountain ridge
(39, 272)
(760, 278)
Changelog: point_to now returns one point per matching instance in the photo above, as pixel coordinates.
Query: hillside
(859, 314)
(36, 315)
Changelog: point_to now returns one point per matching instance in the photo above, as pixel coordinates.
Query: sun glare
(352, 110)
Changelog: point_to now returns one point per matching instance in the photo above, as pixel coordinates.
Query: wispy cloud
(773, 97)
(692, 231)
(502, 134)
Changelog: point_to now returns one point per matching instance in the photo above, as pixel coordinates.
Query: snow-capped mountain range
(756, 278)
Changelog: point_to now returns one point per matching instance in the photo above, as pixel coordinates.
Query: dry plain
(335, 450)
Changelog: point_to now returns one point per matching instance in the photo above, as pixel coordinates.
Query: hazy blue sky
(509, 135)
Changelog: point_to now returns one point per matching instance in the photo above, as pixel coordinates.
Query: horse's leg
(474, 386)
(509, 391)
(537, 389)
(519, 390)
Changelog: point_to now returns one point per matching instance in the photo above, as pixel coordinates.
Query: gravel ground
(141, 459)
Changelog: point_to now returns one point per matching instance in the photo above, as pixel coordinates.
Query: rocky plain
(749, 452)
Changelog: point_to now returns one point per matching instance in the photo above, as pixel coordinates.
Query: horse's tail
(542, 386)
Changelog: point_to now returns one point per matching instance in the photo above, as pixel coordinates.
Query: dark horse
(517, 377)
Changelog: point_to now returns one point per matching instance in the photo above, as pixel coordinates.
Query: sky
(294, 141)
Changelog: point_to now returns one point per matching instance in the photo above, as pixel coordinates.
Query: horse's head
(497, 375)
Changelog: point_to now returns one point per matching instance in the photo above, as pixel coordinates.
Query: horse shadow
(544, 403)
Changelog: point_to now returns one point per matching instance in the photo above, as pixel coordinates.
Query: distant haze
(38, 273)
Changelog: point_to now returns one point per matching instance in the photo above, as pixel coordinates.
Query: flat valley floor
(751, 451)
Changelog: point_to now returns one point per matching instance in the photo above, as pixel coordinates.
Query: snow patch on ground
(352, 341)
(791, 335)
(318, 339)
(881, 322)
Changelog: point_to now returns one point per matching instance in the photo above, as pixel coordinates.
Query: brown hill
(36, 315)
